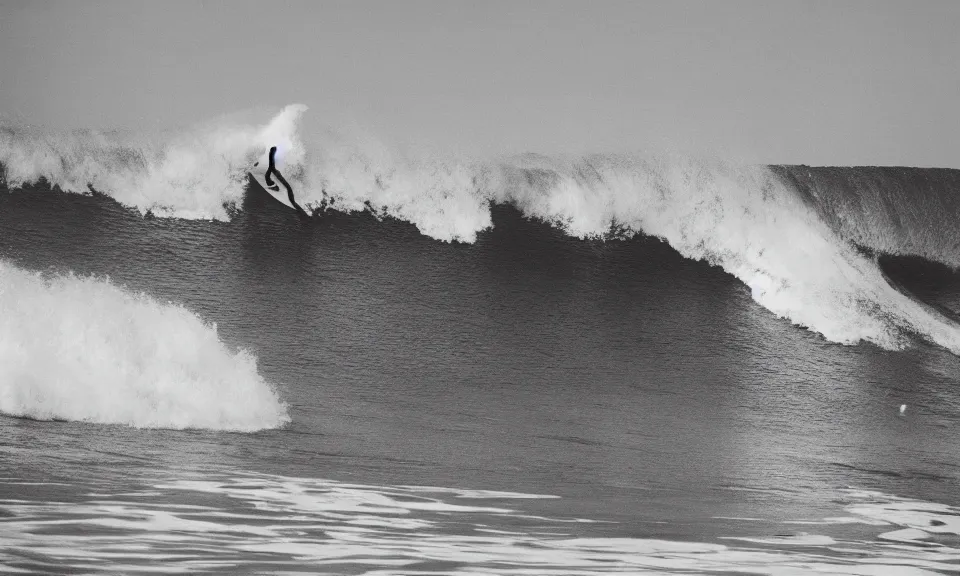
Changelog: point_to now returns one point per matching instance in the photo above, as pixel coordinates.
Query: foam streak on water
(282, 525)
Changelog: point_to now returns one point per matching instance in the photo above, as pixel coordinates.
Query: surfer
(272, 170)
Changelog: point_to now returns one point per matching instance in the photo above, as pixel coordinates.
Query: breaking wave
(793, 239)
(83, 349)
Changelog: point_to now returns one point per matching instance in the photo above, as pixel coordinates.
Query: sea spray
(196, 173)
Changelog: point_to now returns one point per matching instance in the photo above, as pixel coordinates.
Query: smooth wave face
(758, 223)
(83, 349)
(894, 211)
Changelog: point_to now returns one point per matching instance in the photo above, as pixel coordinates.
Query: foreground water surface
(529, 403)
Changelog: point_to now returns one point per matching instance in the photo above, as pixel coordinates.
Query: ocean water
(646, 364)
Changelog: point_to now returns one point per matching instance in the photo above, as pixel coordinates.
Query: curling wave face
(891, 210)
(83, 349)
(757, 223)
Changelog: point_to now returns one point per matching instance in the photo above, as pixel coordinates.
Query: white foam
(84, 349)
(792, 540)
(905, 535)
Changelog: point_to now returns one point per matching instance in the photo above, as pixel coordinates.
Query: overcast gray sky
(793, 82)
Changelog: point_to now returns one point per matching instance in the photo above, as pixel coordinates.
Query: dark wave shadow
(934, 285)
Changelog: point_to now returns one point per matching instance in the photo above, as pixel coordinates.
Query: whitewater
(83, 349)
(780, 230)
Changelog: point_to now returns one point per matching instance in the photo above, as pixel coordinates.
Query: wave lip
(83, 349)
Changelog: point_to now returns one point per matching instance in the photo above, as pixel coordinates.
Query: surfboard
(280, 194)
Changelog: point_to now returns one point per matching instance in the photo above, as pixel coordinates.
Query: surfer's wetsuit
(272, 169)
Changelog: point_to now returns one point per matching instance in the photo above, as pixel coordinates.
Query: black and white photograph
(488, 287)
